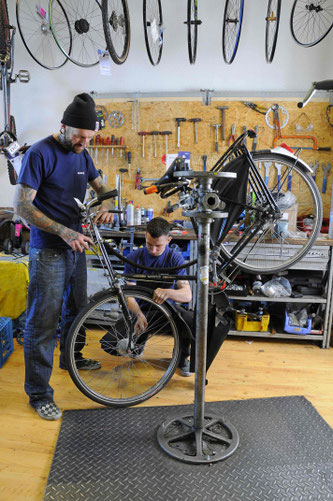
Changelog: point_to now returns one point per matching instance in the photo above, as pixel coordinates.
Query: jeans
(57, 288)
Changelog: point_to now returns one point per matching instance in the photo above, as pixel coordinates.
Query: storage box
(245, 322)
(293, 329)
(6, 339)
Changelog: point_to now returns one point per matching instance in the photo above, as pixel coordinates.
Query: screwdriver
(129, 159)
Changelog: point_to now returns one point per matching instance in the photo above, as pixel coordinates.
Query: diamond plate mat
(285, 454)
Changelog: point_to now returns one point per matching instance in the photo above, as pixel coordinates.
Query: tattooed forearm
(23, 205)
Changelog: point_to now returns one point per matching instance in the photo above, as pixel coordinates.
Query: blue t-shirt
(169, 259)
(58, 175)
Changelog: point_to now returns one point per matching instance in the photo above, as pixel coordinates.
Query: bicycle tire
(123, 379)
(4, 30)
(116, 22)
(272, 28)
(260, 256)
(309, 22)
(152, 23)
(232, 27)
(192, 29)
(86, 38)
(37, 37)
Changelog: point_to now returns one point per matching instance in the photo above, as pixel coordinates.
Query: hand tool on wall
(155, 133)
(195, 121)
(146, 179)
(204, 162)
(244, 129)
(166, 133)
(223, 110)
(121, 143)
(326, 169)
(97, 143)
(216, 136)
(298, 136)
(267, 166)
(255, 107)
(137, 179)
(143, 134)
(179, 121)
(122, 171)
(232, 137)
(117, 144)
(113, 141)
(314, 167)
(129, 161)
(278, 168)
(107, 143)
(255, 139)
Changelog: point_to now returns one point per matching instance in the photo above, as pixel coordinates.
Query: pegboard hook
(207, 97)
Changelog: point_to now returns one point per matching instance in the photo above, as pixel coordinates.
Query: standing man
(54, 171)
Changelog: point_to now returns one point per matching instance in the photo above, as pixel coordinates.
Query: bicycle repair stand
(202, 438)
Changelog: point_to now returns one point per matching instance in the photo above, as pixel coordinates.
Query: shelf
(303, 299)
(278, 335)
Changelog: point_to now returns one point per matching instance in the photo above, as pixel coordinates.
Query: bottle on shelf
(130, 213)
(137, 216)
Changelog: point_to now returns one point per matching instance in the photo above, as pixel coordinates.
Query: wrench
(314, 167)
(326, 169)
(267, 166)
(278, 168)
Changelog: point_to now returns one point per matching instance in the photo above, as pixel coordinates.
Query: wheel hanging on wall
(311, 21)
(153, 29)
(272, 28)
(192, 29)
(117, 30)
(232, 26)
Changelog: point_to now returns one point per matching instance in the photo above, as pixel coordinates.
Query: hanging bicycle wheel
(192, 29)
(117, 30)
(232, 26)
(282, 241)
(86, 32)
(4, 29)
(272, 28)
(34, 27)
(152, 27)
(311, 21)
(128, 375)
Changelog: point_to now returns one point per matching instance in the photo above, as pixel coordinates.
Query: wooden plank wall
(159, 115)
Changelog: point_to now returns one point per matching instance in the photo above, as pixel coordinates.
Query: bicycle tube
(282, 240)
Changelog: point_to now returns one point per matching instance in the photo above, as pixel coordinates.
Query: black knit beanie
(81, 113)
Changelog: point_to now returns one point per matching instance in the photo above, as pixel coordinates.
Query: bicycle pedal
(23, 76)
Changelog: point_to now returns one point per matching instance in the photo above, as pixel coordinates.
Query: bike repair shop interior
(182, 78)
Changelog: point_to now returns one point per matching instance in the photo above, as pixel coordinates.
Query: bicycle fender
(283, 152)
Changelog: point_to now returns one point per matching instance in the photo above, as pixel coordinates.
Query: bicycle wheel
(117, 30)
(311, 21)
(4, 29)
(282, 241)
(36, 35)
(192, 29)
(232, 25)
(152, 27)
(272, 28)
(81, 43)
(100, 333)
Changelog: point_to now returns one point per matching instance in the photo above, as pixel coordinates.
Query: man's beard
(66, 143)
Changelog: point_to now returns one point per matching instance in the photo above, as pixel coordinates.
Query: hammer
(217, 136)
(179, 120)
(326, 169)
(195, 121)
(223, 108)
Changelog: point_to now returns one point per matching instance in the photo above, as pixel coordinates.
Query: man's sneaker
(49, 411)
(87, 364)
(184, 368)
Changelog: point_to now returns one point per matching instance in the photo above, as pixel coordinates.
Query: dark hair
(158, 227)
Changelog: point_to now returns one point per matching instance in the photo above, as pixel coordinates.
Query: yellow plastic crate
(244, 323)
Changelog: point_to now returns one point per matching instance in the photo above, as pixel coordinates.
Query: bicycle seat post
(193, 447)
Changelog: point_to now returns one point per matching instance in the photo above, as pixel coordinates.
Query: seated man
(158, 254)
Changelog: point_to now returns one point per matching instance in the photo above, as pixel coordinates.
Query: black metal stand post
(202, 437)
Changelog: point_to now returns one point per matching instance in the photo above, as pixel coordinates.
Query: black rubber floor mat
(285, 454)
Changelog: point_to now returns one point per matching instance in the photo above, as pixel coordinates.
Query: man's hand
(141, 324)
(161, 295)
(103, 216)
(77, 241)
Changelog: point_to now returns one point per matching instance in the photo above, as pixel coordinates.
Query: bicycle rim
(192, 29)
(232, 25)
(272, 28)
(36, 35)
(85, 37)
(4, 30)
(311, 21)
(281, 242)
(124, 379)
(152, 26)
(116, 25)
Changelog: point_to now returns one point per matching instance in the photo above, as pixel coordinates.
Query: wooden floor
(243, 369)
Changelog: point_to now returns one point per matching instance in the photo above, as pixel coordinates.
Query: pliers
(232, 137)
(255, 107)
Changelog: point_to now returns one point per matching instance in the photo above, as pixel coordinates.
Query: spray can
(130, 213)
(150, 214)
(137, 216)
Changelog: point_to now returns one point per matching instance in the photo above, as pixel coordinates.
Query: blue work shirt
(58, 175)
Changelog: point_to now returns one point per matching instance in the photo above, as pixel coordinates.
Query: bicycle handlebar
(326, 85)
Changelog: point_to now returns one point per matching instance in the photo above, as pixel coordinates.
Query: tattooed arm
(100, 187)
(24, 207)
(181, 295)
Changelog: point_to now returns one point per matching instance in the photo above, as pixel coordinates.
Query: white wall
(38, 105)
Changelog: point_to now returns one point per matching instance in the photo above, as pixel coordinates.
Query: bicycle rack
(201, 438)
